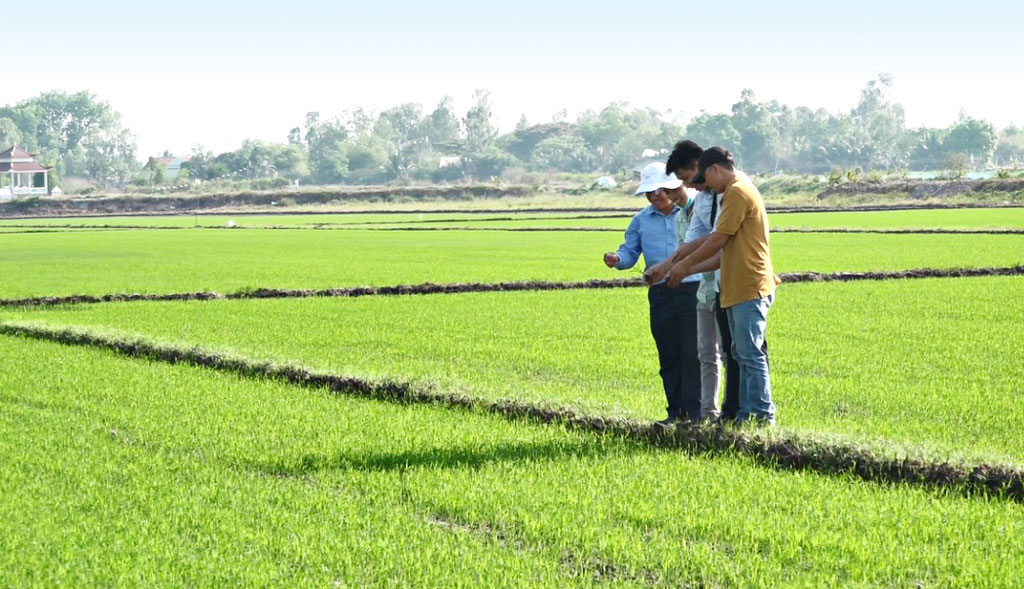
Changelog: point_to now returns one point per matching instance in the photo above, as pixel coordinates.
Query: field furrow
(147, 473)
(889, 364)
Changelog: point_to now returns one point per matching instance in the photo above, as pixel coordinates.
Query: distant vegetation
(81, 136)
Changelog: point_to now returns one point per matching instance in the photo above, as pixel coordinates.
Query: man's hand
(611, 259)
(677, 274)
(655, 273)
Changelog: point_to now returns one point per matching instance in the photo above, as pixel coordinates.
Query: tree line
(82, 136)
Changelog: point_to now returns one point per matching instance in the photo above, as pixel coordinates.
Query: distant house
(449, 160)
(172, 165)
(20, 175)
(653, 153)
(648, 156)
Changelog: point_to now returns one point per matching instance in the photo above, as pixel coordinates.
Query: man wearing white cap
(673, 312)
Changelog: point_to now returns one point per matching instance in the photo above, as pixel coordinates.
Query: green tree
(714, 130)
(956, 163)
(290, 160)
(480, 131)
(441, 127)
(924, 148)
(1010, 147)
(492, 161)
(759, 139)
(83, 134)
(9, 133)
(367, 159)
(522, 142)
(876, 126)
(328, 151)
(973, 138)
(563, 152)
(402, 126)
(156, 171)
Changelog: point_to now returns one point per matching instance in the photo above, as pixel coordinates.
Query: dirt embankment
(924, 189)
(429, 288)
(787, 451)
(116, 205)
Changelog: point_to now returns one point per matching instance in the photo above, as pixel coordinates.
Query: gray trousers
(709, 353)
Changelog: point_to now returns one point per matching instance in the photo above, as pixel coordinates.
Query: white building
(21, 175)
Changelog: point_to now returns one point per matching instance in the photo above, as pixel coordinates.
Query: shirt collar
(653, 211)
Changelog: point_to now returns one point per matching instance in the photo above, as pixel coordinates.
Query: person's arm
(629, 252)
(736, 207)
(699, 223)
(693, 263)
(708, 265)
(658, 271)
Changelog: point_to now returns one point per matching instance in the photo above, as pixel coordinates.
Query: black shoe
(669, 421)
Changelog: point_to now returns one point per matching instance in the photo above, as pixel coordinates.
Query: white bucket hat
(654, 177)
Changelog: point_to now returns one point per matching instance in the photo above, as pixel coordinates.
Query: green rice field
(143, 471)
(169, 261)
(982, 218)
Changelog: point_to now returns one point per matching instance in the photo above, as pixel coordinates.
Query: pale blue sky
(218, 72)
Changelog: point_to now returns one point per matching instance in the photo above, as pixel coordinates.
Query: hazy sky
(215, 73)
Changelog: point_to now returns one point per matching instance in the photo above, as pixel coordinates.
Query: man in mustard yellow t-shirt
(748, 280)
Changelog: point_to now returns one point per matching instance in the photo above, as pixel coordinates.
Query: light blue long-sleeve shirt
(652, 234)
(700, 226)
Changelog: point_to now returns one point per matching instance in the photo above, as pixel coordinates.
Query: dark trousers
(732, 368)
(674, 327)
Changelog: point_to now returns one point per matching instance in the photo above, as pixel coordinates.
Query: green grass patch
(137, 473)
(989, 218)
(1008, 218)
(226, 261)
(853, 359)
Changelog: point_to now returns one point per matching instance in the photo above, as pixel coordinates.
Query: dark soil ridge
(786, 451)
(7, 211)
(107, 205)
(325, 225)
(609, 215)
(62, 228)
(920, 189)
(428, 288)
(921, 231)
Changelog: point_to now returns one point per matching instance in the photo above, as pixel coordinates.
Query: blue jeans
(747, 322)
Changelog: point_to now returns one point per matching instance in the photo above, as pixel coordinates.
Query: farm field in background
(133, 471)
(155, 261)
(988, 218)
(310, 220)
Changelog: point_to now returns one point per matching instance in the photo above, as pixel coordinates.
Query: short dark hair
(729, 163)
(684, 154)
(711, 157)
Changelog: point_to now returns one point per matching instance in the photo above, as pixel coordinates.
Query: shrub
(835, 176)
(956, 163)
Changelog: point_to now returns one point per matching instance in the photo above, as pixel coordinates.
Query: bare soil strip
(783, 450)
(63, 228)
(10, 212)
(470, 287)
(923, 231)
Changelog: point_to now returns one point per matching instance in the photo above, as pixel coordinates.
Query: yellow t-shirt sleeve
(734, 210)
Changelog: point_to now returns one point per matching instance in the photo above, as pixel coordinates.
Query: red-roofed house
(21, 175)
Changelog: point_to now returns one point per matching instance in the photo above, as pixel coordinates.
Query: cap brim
(673, 184)
(645, 188)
